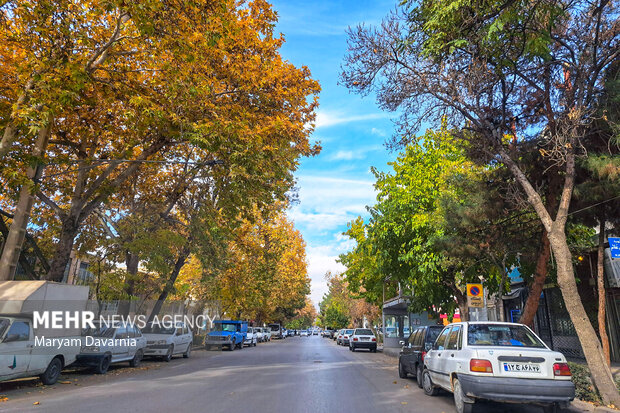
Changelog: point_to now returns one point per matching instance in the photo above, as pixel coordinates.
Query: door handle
(438, 354)
(451, 355)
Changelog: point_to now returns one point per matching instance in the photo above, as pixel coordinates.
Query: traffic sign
(614, 247)
(475, 295)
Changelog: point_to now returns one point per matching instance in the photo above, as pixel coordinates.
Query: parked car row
(356, 338)
(504, 362)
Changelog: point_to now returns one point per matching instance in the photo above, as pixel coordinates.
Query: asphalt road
(299, 374)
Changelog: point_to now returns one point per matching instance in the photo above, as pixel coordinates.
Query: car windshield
(4, 324)
(226, 327)
(158, 329)
(363, 332)
(501, 335)
(99, 331)
(274, 327)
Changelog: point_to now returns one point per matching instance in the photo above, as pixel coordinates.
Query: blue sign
(614, 247)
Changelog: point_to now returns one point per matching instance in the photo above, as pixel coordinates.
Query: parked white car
(251, 338)
(363, 338)
(304, 333)
(260, 335)
(339, 336)
(164, 342)
(505, 362)
(26, 351)
(267, 333)
(105, 345)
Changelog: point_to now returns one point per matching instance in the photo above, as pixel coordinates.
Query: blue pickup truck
(227, 333)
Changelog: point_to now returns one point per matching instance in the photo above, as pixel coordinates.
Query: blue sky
(335, 186)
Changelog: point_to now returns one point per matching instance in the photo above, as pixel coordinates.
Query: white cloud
(378, 132)
(325, 119)
(320, 260)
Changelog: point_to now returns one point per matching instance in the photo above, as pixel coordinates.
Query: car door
(433, 358)
(120, 350)
(407, 357)
(16, 349)
(451, 358)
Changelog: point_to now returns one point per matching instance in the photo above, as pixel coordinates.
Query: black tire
(459, 399)
(418, 375)
(103, 366)
(188, 352)
(427, 384)
(52, 372)
(137, 359)
(232, 346)
(353, 349)
(374, 350)
(168, 355)
(552, 408)
(255, 343)
(402, 373)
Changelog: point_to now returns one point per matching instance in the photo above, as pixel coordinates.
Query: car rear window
(363, 332)
(348, 331)
(501, 335)
(432, 334)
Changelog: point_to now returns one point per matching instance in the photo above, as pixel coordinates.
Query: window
(185, 330)
(131, 332)
(454, 339)
(431, 334)
(19, 331)
(441, 340)
(363, 332)
(419, 337)
(4, 324)
(502, 335)
(412, 338)
(121, 332)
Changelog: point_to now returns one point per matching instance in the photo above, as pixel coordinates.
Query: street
(299, 374)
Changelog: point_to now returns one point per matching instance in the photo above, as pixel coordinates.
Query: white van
(22, 350)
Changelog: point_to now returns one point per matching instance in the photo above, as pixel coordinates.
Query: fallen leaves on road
(36, 403)
(395, 382)
(3, 398)
(64, 382)
(403, 403)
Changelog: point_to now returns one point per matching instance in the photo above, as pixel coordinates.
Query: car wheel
(461, 401)
(551, 408)
(137, 358)
(255, 343)
(188, 351)
(418, 376)
(353, 349)
(401, 370)
(374, 350)
(429, 388)
(168, 355)
(51, 374)
(103, 366)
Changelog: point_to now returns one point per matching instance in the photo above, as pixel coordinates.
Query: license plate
(363, 338)
(522, 367)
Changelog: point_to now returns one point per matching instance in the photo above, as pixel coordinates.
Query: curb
(589, 407)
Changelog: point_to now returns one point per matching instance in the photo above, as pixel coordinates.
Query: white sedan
(504, 362)
(304, 333)
(166, 341)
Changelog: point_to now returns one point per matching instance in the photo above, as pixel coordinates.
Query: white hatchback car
(165, 342)
(504, 362)
(260, 336)
(251, 337)
(104, 345)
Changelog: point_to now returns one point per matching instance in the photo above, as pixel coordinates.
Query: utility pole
(15, 239)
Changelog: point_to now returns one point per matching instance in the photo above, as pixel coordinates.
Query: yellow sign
(475, 295)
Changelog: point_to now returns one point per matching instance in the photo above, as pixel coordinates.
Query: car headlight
(92, 349)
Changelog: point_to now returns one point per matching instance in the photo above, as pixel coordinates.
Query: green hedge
(584, 389)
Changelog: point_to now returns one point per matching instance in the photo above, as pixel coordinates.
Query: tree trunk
(131, 261)
(602, 327)
(601, 374)
(62, 254)
(533, 299)
(17, 233)
(170, 283)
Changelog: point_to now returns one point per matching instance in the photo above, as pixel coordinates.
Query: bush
(584, 389)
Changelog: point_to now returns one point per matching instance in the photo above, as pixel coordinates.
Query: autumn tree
(195, 74)
(529, 70)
